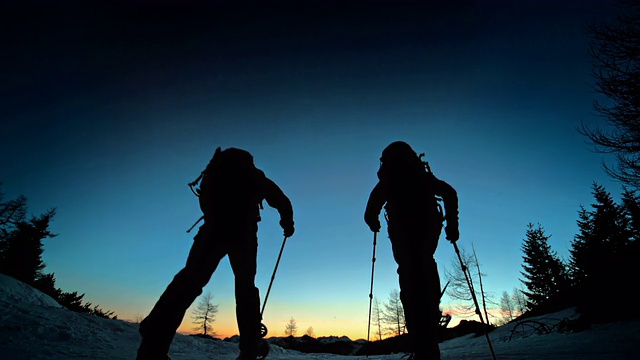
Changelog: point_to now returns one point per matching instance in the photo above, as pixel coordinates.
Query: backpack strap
(196, 223)
(195, 182)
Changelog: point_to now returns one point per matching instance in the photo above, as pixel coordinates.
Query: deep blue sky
(108, 112)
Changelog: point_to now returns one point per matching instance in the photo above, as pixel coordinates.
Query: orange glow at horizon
(225, 326)
(345, 319)
(352, 330)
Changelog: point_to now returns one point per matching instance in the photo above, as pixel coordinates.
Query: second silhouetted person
(408, 192)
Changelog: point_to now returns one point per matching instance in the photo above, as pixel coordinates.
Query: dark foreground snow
(34, 326)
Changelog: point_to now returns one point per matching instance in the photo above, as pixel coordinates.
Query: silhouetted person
(414, 222)
(230, 195)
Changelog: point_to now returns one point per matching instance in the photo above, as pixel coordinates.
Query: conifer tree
(631, 209)
(603, 232)
(21, 256)
(545, 275)
(629, 268)
(598, 252)
(47, 284)
(11, 213)
(21, 251)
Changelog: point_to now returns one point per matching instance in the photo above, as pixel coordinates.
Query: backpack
(229, 185)
(408, 178)
(400, 160)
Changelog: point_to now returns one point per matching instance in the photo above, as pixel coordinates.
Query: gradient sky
(108, 112)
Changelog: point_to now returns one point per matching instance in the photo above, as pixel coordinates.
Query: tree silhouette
(309, 332)
(545, 275)
(458, 288)
(631, 209)
(204, 314)
(21, 255)
(629, 268)
(11, 213)
(21, 251)
(376, 318)
(21, 244)
(484, 298)
(519, 301)
(393, 315)
(614, 49)
(507, 308)
(599, 251)
(47, 284)
(603, 232)
(291, 328)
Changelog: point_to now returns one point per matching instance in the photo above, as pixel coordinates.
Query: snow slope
(34, 326)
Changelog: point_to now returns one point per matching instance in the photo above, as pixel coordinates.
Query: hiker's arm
(376, 200)
(277, 199)
(450, 199)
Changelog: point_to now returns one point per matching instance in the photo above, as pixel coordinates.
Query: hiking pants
(413, 250)
(211, 244)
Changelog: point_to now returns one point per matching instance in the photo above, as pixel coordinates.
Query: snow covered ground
(34, 326)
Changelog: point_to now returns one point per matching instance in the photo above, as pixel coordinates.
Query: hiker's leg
(429, 313)
(420, 296)
(419, 289)
(242, 257)
(159, 327)
(404, 258)
(426, 274)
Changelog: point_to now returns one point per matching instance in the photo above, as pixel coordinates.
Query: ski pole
(273, 276)
(444, 289)
(475, 300)
(373, 262)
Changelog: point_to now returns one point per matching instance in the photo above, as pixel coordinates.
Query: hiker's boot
(153, 349)
(155, 342)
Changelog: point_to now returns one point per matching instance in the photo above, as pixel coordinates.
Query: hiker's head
(399, 159)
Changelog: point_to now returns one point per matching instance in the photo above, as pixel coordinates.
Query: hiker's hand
(288, 228)
(452, 232)
(374, 225)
